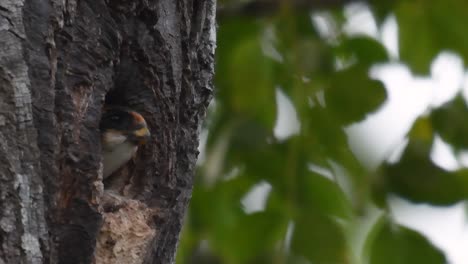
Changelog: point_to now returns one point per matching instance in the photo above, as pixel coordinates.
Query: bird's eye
(115, 118)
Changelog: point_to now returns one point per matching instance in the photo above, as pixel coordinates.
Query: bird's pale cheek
(113, 138)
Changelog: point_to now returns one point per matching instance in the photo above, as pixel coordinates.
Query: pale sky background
(381, 135)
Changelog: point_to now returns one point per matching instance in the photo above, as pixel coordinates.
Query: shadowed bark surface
(60, 63)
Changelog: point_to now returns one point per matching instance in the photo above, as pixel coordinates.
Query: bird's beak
(141, 136)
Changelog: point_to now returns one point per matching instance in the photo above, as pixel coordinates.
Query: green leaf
(321, 195)
(382, 9)
(422, 132)
(394, 244)
(319, 239)
(222, 212)
(326, 140)
(451, 123)
(295, 23)
(427, 29)
(352, 95)
(251, 236)
(308, 57)
(365, 50)
(323, 131)
(244, 75)
(416, 178)
(304, 53)
(252, 90)
(258, 158)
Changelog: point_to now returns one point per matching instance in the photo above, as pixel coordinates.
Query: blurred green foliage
(320, 193)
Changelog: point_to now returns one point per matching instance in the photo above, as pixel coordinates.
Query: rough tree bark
(60, 62)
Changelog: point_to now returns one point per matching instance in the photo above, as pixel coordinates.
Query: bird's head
(122, 131)
(119, 125)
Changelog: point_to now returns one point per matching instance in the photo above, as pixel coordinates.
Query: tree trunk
(60, 63)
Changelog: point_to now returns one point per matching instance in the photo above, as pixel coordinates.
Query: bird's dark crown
(122, 119)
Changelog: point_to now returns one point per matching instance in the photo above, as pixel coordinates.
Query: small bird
(122, 132)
